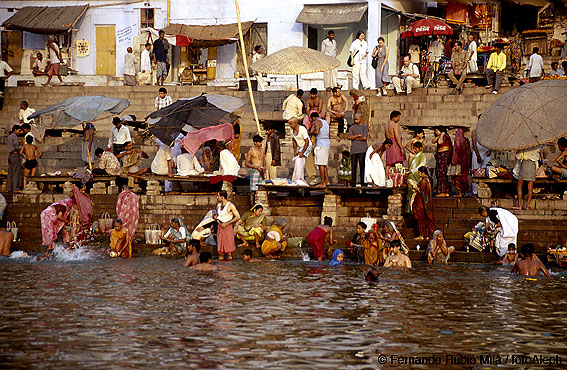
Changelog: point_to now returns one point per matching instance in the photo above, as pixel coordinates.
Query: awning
(46, 20)
(208, 36)
(332, 13)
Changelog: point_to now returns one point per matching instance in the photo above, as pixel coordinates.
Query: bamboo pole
(242, 48)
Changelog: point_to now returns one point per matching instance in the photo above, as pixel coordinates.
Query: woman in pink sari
(53, 218)
(128, 211)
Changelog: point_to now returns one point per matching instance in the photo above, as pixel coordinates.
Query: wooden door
(211, 66)
(106, 50)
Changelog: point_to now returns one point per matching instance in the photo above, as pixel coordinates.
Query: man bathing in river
(192, 254)
(397, 258)
(256, 161)
(530, 265)
(204, 263)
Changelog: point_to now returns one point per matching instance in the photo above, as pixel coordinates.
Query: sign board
(211, 63)
(82, 48)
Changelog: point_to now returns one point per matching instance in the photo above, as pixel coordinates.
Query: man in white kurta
(329, 47)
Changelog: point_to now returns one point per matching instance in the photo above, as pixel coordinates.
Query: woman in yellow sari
(120, 241)
(275, 242)
(252, 226)
(373, 249)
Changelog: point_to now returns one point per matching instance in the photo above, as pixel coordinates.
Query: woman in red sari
(462, 156)
(317, 237)
(443, 158)
(423, 205)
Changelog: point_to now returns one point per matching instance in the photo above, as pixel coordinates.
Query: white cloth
(130, 63)
(228, 163)
(182, 231)
(292, 107)
(159, 164)
(509, 232)
(436, 49)
(557, 72)
(119, 136)
(145, 61)
(24, 114)
(536, 65)
(3, 205)
(188, 165)
(330, 78)
(321, 155)
(53, 56)
(359, 75)
(298, 169)
(301, 137)
(261, 83)
(374, 171)
(472, 66)
(530, 154)
(4, 68)
(408, 83)
(222, 213)
(362, 48)
(329, 47)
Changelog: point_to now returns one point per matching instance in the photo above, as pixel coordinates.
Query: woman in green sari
(417, 160)
(252, 226)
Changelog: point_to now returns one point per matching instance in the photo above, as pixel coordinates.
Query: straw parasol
(295, 60)
(525, 117)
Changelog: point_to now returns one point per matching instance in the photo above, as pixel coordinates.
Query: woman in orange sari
(373, 249)
(120, 241)
(423, 205)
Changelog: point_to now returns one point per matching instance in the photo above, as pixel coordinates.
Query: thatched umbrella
(525, 117)
(295, 60)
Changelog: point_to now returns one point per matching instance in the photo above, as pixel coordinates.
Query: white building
(110, 26)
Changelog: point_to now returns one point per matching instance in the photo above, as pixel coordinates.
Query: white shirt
(530, 154)
(188, 165)
(557, 72)
(536, 65)
(130, 63)
(362, 48)
(41, 64)
(411, 69)
(159, 164)
(119, 136)
(472, 51)
(228, 163)
(53, 57)
(329, 47)
(300, 138)
(256, 57)
(292, 107)
(24, 114)
(4, 69)
(145, 61)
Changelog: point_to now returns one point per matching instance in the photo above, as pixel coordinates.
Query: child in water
(120, 241)
(338, 257)
(511, 257)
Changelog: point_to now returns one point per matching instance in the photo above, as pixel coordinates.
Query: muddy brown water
(98, 313)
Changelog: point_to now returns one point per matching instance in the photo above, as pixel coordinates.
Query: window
(146, 18)
(256, 35)
(312, 38)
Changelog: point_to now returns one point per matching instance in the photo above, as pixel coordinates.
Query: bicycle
(433, 71)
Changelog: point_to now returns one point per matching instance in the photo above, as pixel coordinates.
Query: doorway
(106, 50)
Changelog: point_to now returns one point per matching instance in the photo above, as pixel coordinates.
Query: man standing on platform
(323, 144)
(459, 59)
(272, 151)
(5, 73)
(394, 154)
(535, 66)
(119, 136)
(14, 180)
(293, 106)
(357, 134)
(301, 149)
(329, 47)
(54, 60)
(146, 62)
(130, 64)
(161, 47)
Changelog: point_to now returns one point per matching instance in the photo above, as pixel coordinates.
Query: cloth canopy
(525, 117)
(46, 20)
(295, 60)
(193, 140)
(74, 111)
(208, 36)
(187, 115)
(427, 27)
(332, 14)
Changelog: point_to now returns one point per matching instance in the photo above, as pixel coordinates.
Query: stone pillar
(262, 198)
(330, 207)
(153, 188)
(395, 210)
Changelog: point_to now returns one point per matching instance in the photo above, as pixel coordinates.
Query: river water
(95, 313)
